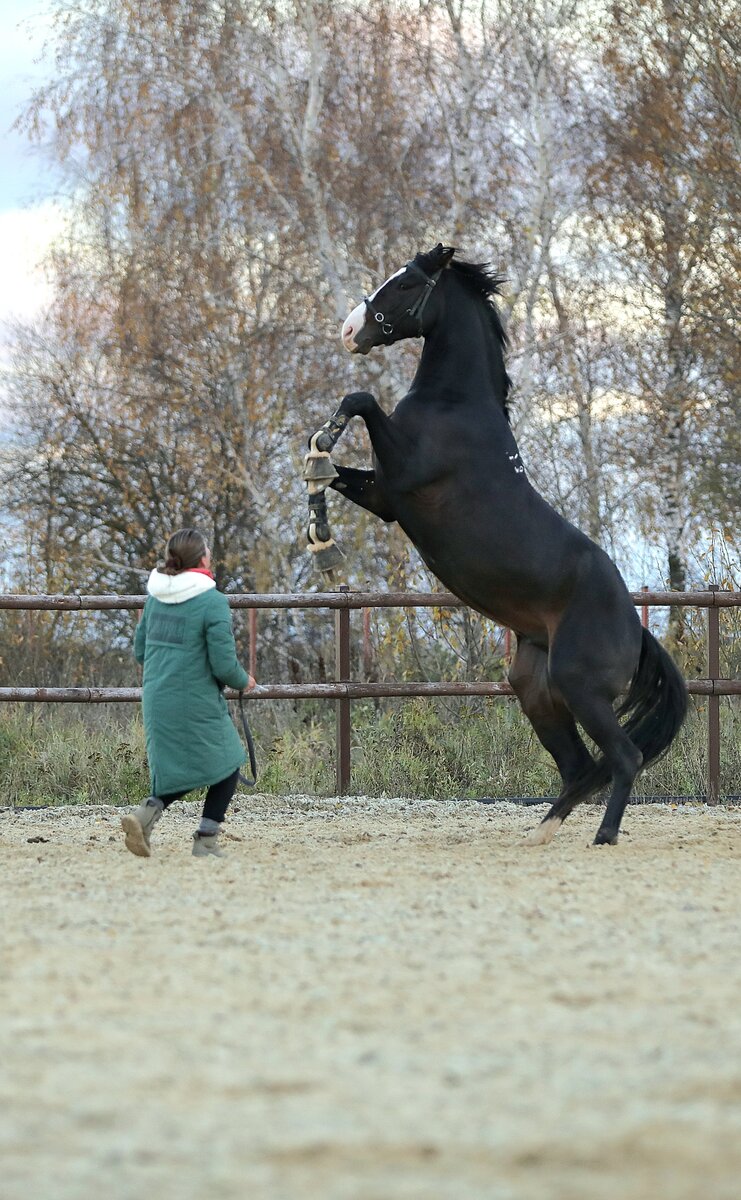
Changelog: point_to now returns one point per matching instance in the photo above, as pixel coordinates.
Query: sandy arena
(371, 1000)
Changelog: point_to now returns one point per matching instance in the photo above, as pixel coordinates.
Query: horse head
(399, 307)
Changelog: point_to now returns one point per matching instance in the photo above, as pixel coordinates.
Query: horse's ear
(443, 254)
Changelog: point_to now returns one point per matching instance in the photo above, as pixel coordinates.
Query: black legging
(217, 799)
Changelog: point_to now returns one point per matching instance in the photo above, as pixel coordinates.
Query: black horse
(447, 468)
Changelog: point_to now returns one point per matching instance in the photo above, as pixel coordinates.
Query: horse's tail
(656, 704)
(655, 707)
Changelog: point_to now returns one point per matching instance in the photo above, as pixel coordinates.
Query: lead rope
(250, 746)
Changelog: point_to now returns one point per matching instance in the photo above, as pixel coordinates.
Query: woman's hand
(250, 683)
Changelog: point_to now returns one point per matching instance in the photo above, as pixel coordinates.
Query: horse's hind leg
(595, 714)
(555, 727)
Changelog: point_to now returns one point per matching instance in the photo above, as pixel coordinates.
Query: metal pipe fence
(343, 690)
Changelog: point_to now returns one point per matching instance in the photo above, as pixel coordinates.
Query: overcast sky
(29, 215)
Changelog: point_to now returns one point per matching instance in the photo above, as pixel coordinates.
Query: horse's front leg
(364, 489)
(327, 554)
(320, 472)
(318, 465)
(390, 446)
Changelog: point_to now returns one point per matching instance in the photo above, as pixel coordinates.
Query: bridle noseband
(415, 310)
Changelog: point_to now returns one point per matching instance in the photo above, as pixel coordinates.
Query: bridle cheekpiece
(414, 310)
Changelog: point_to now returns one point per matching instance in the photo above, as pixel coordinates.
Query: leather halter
(414, 310)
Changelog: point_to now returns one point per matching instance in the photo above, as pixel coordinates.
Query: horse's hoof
(545, 832)
(606, 837)
(319, 468)
(327, 557)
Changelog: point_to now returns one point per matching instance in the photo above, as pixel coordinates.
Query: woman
(185, 642)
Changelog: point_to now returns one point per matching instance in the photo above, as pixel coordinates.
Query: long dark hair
(184, 550)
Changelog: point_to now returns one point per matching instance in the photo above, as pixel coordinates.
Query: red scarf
(200, 571)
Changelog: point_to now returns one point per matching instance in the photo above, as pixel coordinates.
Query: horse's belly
(482, 581)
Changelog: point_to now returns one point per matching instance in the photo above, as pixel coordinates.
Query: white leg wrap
(545, 832)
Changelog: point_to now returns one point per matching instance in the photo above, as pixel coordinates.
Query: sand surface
(371, 1000)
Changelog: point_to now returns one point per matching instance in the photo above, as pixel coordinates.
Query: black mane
(483, 281)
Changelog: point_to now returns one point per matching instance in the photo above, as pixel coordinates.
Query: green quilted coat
(186, 646)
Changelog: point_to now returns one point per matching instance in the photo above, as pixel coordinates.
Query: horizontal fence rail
(346, 599)
(319, 691)
(343, 690)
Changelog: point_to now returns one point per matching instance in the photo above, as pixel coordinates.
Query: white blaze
(353, 324)
(395, 275)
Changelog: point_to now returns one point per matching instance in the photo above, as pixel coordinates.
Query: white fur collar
(174, 589)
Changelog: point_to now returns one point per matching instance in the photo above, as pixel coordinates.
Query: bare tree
(664, 138)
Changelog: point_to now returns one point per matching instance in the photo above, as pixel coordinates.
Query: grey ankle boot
(206, 845)
(138, 826)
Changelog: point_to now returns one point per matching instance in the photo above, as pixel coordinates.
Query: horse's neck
(462, 351)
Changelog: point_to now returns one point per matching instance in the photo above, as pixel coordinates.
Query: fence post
(342, 707)
(367, 657)
(644, 609)
(253, 642)
(713, 700)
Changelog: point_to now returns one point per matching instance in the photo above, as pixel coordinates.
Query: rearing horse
(447, 468)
